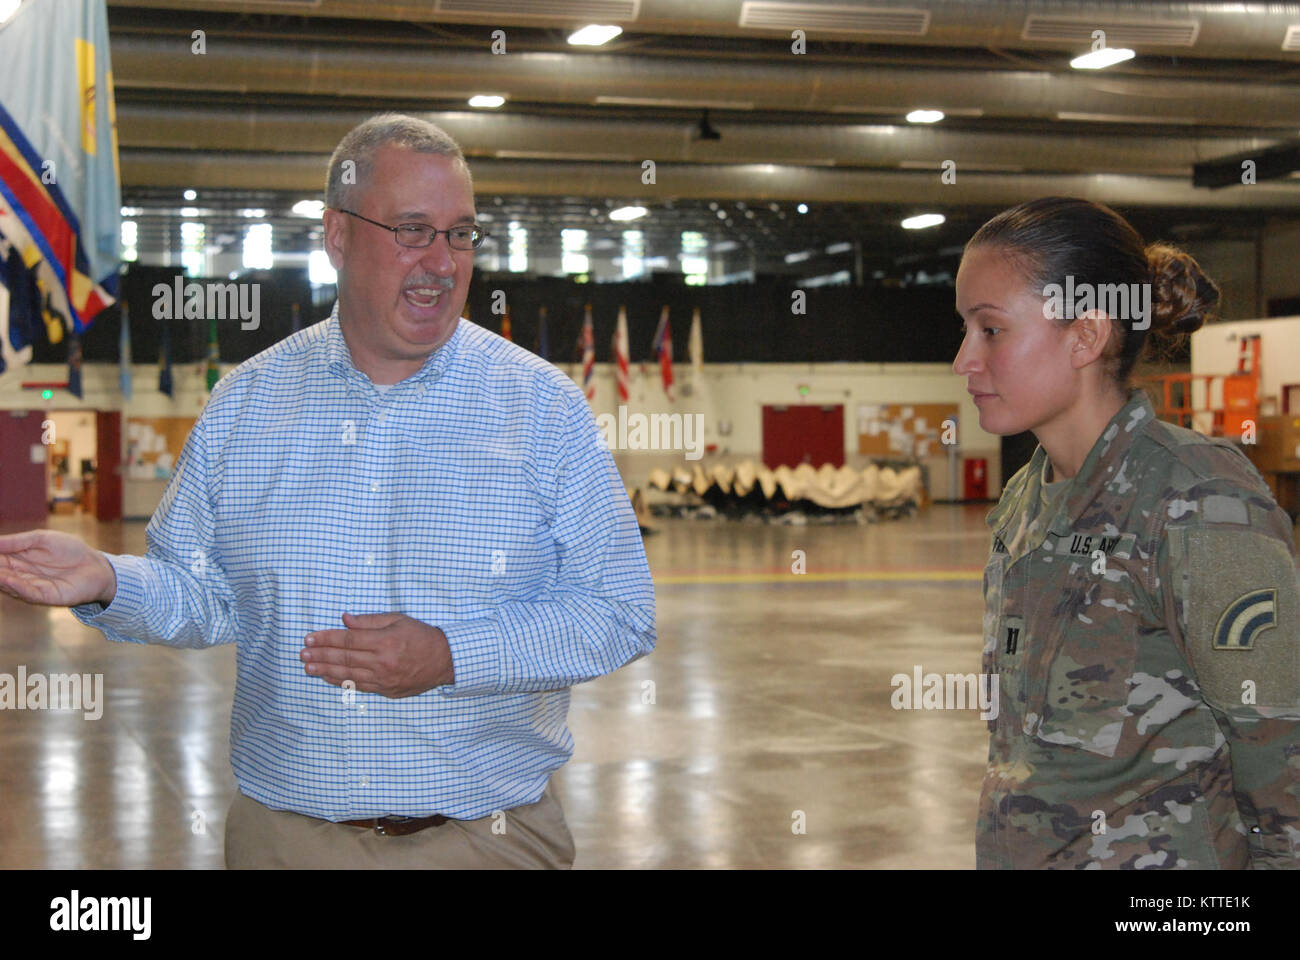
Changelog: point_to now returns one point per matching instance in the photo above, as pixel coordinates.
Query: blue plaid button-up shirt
(476, 496)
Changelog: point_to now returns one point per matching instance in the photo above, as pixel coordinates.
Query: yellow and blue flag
(60, 201)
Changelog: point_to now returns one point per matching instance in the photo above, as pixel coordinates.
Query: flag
(695, 346)
(165, 360)
(20, 306)
(60, 203)
(505, 327)
(663, 349)
(74, 364)
(214, 354)
(543, 348)
(620, 355)
(588, 356)
(124, 354)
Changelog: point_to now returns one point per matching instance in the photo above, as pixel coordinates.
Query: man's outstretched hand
(386, 653)
(56, 569)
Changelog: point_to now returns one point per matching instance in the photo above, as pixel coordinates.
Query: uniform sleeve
(598, 616)
(177, 593)
(1229, 558)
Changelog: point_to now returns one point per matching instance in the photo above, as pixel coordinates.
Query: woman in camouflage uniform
(1142, 603)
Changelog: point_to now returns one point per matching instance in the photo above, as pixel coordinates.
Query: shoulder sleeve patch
(1237, 593)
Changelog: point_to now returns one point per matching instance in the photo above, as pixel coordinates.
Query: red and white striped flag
(588, 356)
(620, 354)
(663, 349)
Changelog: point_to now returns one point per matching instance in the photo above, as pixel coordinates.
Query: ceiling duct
(893, 21)
(365, 70)
(1120, 32)
(1209, 30)
(591, 11)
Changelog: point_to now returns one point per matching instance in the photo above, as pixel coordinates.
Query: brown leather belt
(398, 826)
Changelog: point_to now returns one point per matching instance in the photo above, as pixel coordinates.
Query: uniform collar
(1104, 466)
(338, 358)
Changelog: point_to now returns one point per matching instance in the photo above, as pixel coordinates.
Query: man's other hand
(386, 653)
(56, 569)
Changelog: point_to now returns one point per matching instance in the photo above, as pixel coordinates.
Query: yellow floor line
(884, 575)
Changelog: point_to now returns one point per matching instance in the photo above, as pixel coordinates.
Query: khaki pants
(535, 836)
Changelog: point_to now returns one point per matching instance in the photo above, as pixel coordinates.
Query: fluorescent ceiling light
(628, 213)
(923, 221)
(486, 100)
(309, 208)
(799, 257)
(1105, 57)
(835, 248)
(925, 116)
(594, 34)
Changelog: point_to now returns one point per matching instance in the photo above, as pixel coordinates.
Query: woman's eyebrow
(982, 306)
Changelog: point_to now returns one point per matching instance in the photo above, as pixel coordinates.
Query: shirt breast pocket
(1084, 700)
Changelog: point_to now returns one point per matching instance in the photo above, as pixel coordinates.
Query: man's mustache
(446, 283)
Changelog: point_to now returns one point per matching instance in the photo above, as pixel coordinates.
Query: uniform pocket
(1084, 703)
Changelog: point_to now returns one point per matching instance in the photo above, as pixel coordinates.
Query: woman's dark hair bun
(1183, 298)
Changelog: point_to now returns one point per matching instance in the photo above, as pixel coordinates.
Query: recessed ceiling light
(594, 34)
(486, 100)
(802, 208)
(925, 116)
(190, 195)
(309, 208)
(628, 213)
(1105, 57)
(922, 221)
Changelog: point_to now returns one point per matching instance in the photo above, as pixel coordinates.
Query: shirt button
(370, 559)
(374, 486)
(361, 708)
(380, 418)
(365, 781)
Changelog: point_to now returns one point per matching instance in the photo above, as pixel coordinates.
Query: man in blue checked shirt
(415, 534)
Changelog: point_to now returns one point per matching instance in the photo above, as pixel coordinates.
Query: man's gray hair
(358, 147)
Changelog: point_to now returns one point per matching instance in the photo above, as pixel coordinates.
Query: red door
(108, 465)
(803, 433)
(22, 478)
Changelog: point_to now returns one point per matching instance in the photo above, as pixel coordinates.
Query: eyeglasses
(463, 236)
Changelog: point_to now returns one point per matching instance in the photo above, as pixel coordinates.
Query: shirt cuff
(127, 609)
(475, 657)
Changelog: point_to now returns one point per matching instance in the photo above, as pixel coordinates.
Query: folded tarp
(827, 486)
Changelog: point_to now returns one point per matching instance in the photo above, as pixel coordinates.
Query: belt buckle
(379, 824)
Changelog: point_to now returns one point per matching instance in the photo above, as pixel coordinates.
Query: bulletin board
(154, 444)
(903, 429)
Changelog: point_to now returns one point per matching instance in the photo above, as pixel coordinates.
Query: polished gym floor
(759, 733)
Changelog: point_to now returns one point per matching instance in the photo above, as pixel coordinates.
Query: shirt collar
(338, 357)
(1101, 467)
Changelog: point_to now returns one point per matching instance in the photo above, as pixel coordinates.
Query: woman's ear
(1092, 332)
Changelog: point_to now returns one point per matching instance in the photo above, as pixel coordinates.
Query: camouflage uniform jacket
(1145, 632)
